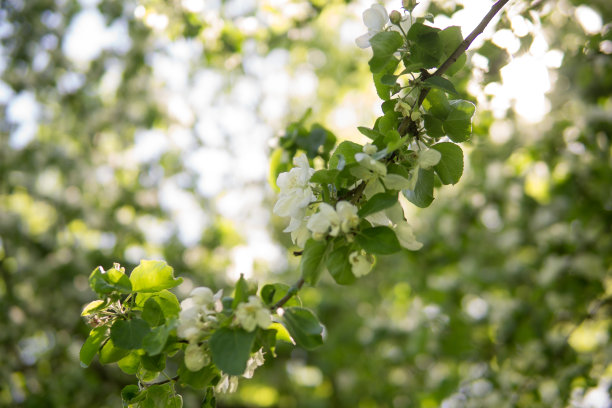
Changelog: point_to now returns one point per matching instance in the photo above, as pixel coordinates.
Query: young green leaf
(241, 293)
(422, 196)
(377, 203)
(166, 300)
(105, 282)
(325, 176)
(372, 134)
(231, 349)
(130, 363)
(347, 150)
(128, 334)
(312, 261)
(109, 353)
(272, 293)
(152, 312)
(451, 37)
(378, 240)
(458, 124)
(384, 45)
(153, 276)
(440, 83)
(339, 266)
(304, 327)
(131, 394)
(92, 345)
(93, 307)
(197, 379)
(155, 341)
(450, 166)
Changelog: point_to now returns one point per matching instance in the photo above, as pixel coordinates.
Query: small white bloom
(375, 18)
(406, 237)
(202, 296)
(325, 221)
(330, 221)
(196, 357)
(361, 264)
(299, 231)
(347, 213)
(252, 314)
(227, 384)
(295, 192)
(255, 361)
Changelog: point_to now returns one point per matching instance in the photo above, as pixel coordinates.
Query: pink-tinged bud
(395, 17)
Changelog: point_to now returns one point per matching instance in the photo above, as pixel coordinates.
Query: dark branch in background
(408, 125)
(464, 45)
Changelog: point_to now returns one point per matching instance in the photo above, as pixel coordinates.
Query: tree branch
(464, 45)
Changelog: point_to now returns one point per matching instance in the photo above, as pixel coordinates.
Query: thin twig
(294, 289)
(465, 44)
(176, 377)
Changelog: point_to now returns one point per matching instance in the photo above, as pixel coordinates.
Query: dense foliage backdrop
(142, 130)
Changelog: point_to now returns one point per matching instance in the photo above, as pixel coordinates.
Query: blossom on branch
(252, 314)
(375, 18)
(330, 221)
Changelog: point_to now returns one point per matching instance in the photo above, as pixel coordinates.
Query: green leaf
(128, 334)
(388, 122)
(384, 45)
(388, 79)
(347, 150)
(152, 312)
(325, 176)
(165, 299)
(132, 393)
(153, 276)
(155, 341)
(272, 293)
(93, 307)
(162, 396)
(451, 37)
(197, 379)
(282, 333)
(377, 203)
(440, 83)
(422, 196)
(311, 264)
(304, 327)
(130, 363)
(210, 401)
(433, 126)
(153, 363)
(92, 345)
(111, 354)
(378, 240)
(450, 166)
(437, 104)
(458, 124)
(231, 349)
(339, 266)
(105, 282)
(426, 46)
(372, 134)
(241, 292)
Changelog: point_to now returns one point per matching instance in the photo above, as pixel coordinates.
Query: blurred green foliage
(508, 303)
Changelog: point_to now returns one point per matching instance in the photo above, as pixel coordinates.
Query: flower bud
(415, 115)
(395, 17)
(409, 4)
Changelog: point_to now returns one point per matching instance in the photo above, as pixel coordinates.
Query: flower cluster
(198, 313)
(253, 313)
(330, 221)
(376, 18)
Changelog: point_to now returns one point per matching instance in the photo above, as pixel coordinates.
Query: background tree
(110, 150)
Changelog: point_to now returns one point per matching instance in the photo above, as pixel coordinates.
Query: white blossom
(196, 357)
(426, 159)
(299, 231)
(255, 361)
(252, 314)
(375, 18)
(394, 218)
(295, 191)
(198, 312)
(361, 264)
(330, 221)
(227, 384)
